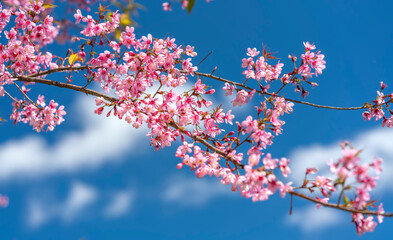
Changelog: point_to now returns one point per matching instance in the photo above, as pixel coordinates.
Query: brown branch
(66, 85)
(24, 94)
(9, 95)
(60, 69)
(331, 205)
(270, 94)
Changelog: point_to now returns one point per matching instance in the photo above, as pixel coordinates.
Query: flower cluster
(257, 182)
(350, 174)
(258, 68)
(38, 114)
(349, 166)
(259, 179)
(143, 66)
(376, 108)
(25, 3)
(94, 28)
(311, 60)
(21, 55)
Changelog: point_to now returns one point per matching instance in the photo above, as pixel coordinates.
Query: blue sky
(97, 178)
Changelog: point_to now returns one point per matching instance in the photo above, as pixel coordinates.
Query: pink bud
(179, 165)
(211, 91)
(383, 85)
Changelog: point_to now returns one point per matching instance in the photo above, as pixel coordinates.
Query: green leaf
(190, 5)
(346, 200)
(48, 5)
(117, 34)
(125, 19)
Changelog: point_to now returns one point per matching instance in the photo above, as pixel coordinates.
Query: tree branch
(270, 94)
(66, 85)
(331, 205)
(61, 69)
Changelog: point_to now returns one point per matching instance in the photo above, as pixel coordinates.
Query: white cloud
(312, 156)
(100, 140)
(120, 204)
(37, 214)
(79, 199)
(311, 219)
(375, 142)
(193, 191)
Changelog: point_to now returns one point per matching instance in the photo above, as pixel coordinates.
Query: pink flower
(249, 124)
(247, 63)
(377, 165)
(367, 115)
(308, 46)
(364, 225)
(323, 182)
(323, 200)
(78, 16)
(252, 52)
(253, 159)
(388, 122)
(229, 117)
(269, 163)
(228, 88)
(99, 101)
(167, 6)
(311, 171)
(284, 167)
(381, 211)
(241, 98)
(285, 189)
(184, 4)
(4, 201)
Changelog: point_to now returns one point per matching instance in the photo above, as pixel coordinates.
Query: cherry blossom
(140, 78)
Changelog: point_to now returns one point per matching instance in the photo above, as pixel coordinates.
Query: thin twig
(341, 194)
(204, 58)
(24, 94)
(60, 69)
(9, 95)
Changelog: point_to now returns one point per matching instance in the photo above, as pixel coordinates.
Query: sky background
(97, 178)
